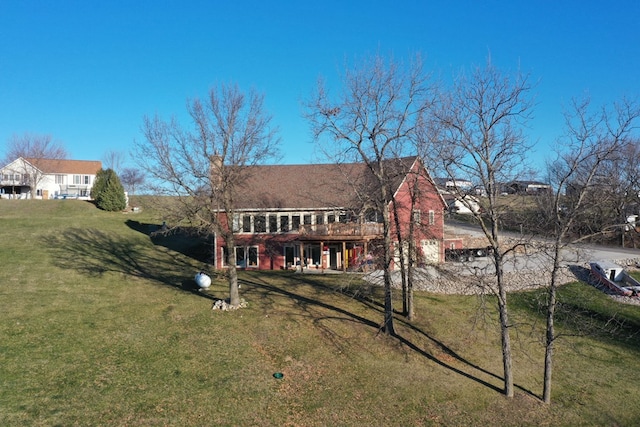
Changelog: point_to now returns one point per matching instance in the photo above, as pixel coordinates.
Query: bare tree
(593, 141)
(476, 136)
(132, 178)
(36, 150)
(204, 167)
(374, 120)
(112, 160)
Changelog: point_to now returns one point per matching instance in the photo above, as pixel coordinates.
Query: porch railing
(342, 229)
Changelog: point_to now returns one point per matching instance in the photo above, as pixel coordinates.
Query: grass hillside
(101, 325)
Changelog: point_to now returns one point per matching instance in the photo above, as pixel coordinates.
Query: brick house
(317, 216)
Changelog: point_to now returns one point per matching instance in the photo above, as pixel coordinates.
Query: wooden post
(344, 256)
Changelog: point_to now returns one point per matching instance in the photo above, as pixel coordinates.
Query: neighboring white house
(466, 204)
(51, 178)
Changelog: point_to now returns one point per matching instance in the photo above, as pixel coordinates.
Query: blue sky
(86, 72)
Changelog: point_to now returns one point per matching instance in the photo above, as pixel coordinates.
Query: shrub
(108, 191)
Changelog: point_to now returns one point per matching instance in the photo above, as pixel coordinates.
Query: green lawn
(100, 325)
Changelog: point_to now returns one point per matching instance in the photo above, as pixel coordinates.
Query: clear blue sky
(86, 72)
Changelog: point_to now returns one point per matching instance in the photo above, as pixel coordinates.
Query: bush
(108, 191)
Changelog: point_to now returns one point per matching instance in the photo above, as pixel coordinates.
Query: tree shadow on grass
(266, 291)
(183, 240)
(94, 253)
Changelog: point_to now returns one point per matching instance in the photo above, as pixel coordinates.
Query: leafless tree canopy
(475, 135)
(34, 146)
(595, 172)
(205, 165)
(373, 119)
(113, 160)
(132, 178)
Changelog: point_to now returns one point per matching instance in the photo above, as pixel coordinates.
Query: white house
(465, 204)
(51, 178)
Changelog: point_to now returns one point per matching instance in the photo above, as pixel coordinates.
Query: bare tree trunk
(387, 326)
(506, 342)
(549, 344)
(232, 271)
(402, 257)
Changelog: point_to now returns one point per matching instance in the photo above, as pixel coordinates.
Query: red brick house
(321, 216)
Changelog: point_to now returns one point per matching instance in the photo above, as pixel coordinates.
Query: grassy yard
(101, 325)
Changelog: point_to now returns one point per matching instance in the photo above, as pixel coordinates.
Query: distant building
(527, 187)
(465, 204)
(50, 178)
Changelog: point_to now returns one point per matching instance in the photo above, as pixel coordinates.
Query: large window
(295, 222)
(260, 224)
(245, 257)
(284, 223)
(246, 223)
(59, 179)
(273, 224)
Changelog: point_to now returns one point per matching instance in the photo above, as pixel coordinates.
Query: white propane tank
(202, 280)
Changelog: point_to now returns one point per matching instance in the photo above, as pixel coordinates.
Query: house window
(245, 256)
(252, 256)
(331, 218)
(240, 257)
(295, 222)
(246, 223)
(319, 218)
(235, 224)
(77, 179)
(260, 224)
(284, 223)
(59, 179)
(273, 224)
(307, 219)
(416, 216)
(86, 179)
(432, 217)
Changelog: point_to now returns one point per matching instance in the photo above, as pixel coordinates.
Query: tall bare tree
(476, 136)
(593, 141)
(204, 167)
(35, 149)
(372, 120)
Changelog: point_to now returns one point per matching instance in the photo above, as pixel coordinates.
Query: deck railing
(341, 229)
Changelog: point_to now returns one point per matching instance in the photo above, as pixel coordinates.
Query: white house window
(86, 179)
(59, 179)
(432, 217)
(252, 256)
(77, 179)
(416, 216)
